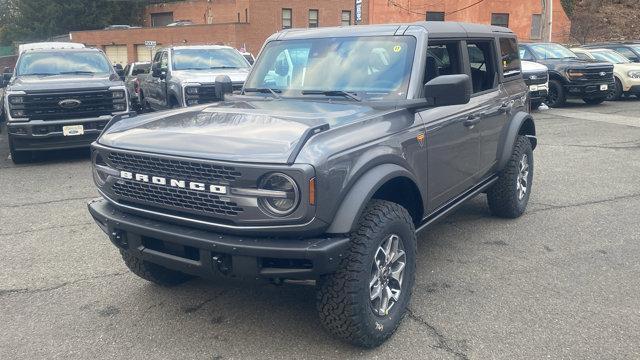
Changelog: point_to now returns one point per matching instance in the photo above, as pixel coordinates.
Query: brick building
(247, 23)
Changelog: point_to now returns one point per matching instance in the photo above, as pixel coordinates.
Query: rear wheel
(509, 196)
(152, 272)
(594, 101)
(19, 157)
(616, 92)
(556, 96)
(366, 299)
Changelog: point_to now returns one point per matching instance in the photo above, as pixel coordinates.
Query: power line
(466, 7)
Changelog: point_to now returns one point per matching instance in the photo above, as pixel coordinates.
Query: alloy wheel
(387, 273)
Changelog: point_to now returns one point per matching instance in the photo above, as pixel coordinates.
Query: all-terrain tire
(155, 273)
(343, 298)
(504, 196)
(557, 96)
(616, 92)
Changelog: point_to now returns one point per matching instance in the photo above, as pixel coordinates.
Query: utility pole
(547, 20)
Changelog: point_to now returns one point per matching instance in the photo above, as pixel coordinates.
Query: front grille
(178, 199)
(207, 92)
(539, 78)
(177, 169)
(593, 75)
(45, 106)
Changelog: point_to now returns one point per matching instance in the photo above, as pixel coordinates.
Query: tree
(33, 20)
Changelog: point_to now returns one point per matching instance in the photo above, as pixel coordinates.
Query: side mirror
(6, 77)
(448, 90)
(223, 85)
(155, 70)
(120, 73)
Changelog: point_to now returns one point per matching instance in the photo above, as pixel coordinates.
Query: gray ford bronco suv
(344, 146)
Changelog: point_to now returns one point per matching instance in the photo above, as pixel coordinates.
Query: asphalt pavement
(562, 281)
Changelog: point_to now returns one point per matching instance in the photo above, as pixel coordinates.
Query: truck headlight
(118, 94)
(575, 74)
(285, 197)
(18, 113)
(120, 107)
(192, 90)
(634, 74)
(16, 100)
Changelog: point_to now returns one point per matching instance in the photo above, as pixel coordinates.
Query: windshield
(204, 59)
(635, 47)
(63, 62)
(551, 51)
(376, 67)
(610, 56)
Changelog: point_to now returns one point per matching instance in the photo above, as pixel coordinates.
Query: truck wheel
(616, 92)
(556, 96)
(152, 272)
(18, 157)
(366, 299)
(509, 196)
(594, 101)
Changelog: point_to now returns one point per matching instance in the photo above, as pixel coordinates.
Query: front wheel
(509, 196)
(19, 157)
(367, 298)
(594, 101)
(556, 96)
(616, 92)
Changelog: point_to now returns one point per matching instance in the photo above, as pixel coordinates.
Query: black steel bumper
(48, 135)
(590, 90)
(538, 95)
(207, 254)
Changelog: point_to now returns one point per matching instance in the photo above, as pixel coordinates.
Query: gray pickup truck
(184, 76)
(346, 145)
(60, 98)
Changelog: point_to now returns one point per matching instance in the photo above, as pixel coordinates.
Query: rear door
(452, 145)
(490, 101)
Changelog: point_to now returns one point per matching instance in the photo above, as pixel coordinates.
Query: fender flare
(510, 137)
(348, 214)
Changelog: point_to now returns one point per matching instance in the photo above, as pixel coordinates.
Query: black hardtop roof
(435, 29)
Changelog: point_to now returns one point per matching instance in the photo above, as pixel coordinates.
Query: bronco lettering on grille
(182, 184)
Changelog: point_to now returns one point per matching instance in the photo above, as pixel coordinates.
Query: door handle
(472, 120)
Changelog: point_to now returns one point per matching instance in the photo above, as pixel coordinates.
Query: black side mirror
(448, 90)
(120, 73)
(155, 70)
(223, 85)
(4, 80)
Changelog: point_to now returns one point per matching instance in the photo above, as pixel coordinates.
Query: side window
(510, 57)
(483, 70)
(443, 59)
(164, 61)
(525, 54)
(626, 52)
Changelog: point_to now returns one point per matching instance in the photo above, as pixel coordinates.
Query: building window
(435, 16)
(161, 19)
(286, 18)
(345, 20)
(313, 18)
(536, 26)
(500, 20)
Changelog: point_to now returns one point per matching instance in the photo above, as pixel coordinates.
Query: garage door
(144, 53)
(117, 54)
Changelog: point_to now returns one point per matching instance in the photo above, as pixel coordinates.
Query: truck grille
(594, 75)
(538, 78)
(207, 92)
(45, 106)
(178, 169)
(177, 199)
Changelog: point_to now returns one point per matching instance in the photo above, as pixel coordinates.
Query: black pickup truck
(346, 145)
(569, 76)
(60, 98)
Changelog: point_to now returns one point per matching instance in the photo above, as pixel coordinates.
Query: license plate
(73, 130)
(533, 88)
(604, 87)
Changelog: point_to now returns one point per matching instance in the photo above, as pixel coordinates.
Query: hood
(55, 83)
(530, 66)
(258, 131)
(574, 63)
(209, 76)
(624, 68)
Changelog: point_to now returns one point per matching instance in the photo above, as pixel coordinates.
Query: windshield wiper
(332, 93)
(37, 74)
(274, 92)
(223, 67)
(78, 72)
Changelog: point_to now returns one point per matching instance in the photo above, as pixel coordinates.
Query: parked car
(570, 77)
(630, 50)
(184, 75)
(331, 176)
(131, 79)
(626, 73)
(536, 76)
(60, 98)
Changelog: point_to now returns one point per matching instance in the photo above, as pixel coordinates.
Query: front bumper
(48, 135)
(589, 90)
(207, 254)
(635, 89)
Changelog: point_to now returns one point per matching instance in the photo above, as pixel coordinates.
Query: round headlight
(288, 198)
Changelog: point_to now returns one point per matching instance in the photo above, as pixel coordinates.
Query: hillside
(604, 20)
